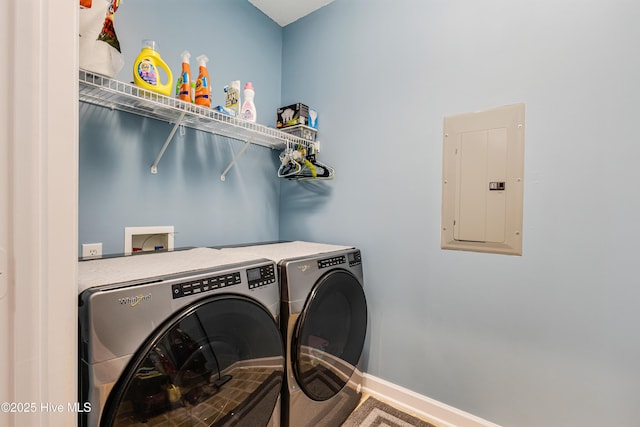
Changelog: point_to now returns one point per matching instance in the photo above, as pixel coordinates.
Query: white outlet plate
(91, 250)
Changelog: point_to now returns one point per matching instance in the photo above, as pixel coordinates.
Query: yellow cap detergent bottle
(145, 70)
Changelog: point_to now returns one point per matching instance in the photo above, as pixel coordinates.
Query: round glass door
(219, 362)
(329, 335)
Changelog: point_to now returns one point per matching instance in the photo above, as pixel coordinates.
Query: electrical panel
(482, 186)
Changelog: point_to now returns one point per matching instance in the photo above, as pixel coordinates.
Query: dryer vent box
(482, 185)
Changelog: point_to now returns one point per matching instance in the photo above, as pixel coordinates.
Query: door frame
(39, 210)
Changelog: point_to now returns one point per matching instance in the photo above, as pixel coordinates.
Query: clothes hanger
(302, 164)
(320, 172)
(312, 169)
(289, 164)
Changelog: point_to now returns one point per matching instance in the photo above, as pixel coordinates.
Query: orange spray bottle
(183, 88)
(203, 88)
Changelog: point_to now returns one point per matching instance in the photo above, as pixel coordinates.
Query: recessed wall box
(145, 239)
(482, 181)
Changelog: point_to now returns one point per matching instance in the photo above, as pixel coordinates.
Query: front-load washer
(324, 323)
(181, 338)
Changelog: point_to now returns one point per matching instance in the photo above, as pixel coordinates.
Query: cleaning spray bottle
(183, 86)
(203, 88)
(248, 107)
(146, 67)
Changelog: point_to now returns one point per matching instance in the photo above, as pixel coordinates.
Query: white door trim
(40, 220)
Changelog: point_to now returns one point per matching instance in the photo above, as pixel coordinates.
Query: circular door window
(219, 362)
(329, 335)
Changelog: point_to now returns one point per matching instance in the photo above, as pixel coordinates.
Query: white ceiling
(284, 12)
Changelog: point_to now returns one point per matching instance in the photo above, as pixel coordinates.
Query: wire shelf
(99, 90)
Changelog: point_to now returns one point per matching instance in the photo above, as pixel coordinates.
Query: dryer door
(329, 335)
(218, 362)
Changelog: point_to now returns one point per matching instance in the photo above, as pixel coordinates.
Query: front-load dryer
(324, 323)
(183, 338)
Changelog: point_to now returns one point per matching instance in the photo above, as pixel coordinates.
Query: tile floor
(382, 399)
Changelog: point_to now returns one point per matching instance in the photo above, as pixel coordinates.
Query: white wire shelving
(103, 91)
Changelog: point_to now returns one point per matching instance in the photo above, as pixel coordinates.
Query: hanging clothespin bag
(99, 46)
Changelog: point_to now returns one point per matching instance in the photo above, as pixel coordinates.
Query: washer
(180, 338)
(324, 322)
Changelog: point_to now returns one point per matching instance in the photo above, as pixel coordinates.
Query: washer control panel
(261, 276)
(186, 289)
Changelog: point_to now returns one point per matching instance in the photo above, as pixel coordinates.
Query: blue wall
(548, 338)
(543, 339)
(117, 149)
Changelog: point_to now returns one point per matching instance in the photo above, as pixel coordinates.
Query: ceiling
(284, 12)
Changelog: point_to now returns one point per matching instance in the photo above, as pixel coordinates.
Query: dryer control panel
(206, 284)
(354, 258)
(331, 262)
(261, 276)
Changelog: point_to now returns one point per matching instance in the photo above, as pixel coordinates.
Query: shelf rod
(235, 159)
(154, 167)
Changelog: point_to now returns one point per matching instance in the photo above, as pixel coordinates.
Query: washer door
(218, 362)
(329, 335)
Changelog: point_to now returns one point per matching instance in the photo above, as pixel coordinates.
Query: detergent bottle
(183, 87)
(203, 88)
(146, 67)
(232, 98)
(248, 107)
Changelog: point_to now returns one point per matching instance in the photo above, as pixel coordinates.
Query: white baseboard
(422, 406)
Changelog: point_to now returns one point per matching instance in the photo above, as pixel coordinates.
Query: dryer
(324, 322)
(182, 338)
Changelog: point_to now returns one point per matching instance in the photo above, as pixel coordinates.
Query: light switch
(483, 164)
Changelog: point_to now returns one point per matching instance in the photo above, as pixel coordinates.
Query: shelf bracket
(235, 159)
(154, 167)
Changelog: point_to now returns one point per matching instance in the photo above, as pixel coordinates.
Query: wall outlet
(91, 250)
